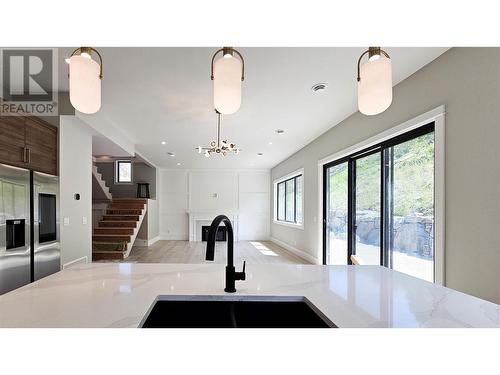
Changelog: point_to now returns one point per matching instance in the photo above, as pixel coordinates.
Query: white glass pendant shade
(227, 85)
(84, 84)
(375, 86)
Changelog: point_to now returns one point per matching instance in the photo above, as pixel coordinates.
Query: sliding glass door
(410, 241)
(378, 205)
(367, 205)
(336, 213)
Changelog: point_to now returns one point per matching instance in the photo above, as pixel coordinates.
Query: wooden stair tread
(111, 235)
(114, 230)
(117, 228)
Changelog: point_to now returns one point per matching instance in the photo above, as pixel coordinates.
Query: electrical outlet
(66, 221)
(84, 220)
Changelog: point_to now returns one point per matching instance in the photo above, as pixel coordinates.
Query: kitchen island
(119, 294)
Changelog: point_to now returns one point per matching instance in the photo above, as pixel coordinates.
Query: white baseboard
(174, 237)
(81, 260)
(147, 243)
(153, 240)
(300, 253)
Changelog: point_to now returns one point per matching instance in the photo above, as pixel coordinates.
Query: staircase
(116, 232)
(100, 191)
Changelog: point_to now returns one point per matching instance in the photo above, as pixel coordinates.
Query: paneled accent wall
(244, 193)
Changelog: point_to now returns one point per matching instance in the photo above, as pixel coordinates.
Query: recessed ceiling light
(163, 142)
(260, 154)
(178, 163)
(319, 87)
(270, 143)
(279, 131)
(171, 154)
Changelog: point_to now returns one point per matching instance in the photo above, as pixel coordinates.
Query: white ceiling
(165, 94)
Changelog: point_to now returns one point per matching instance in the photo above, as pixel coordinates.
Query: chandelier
(219, 147)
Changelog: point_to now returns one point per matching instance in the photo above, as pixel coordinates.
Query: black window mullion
(387, 191)
(391, 205)
(384, 200)
(277, 201)
(295, 200)
(326, 189)
(351, 206)
(284, 183)
(284, 218)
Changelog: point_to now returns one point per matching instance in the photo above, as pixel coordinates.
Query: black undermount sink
(234, 312)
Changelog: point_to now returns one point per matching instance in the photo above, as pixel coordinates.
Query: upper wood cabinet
(12, 141)
(29, 142)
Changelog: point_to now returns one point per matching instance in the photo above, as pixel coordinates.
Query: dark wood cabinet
(29, 142)
(41, 144)
(12, 141)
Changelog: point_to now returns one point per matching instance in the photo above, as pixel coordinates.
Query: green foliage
(413, 179)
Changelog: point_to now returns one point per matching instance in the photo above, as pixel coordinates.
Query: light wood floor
(194, 252)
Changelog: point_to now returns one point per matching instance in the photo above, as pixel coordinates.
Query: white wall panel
(245, 193)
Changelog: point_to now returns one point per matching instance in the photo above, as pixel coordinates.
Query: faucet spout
(231, 274)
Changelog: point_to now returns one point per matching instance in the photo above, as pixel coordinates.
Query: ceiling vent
(319, 87)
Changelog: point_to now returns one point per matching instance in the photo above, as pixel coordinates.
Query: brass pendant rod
(218, 129)
(234, 51)
(87, 49)
(370, 51)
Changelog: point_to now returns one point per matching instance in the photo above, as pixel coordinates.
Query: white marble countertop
(119, 294)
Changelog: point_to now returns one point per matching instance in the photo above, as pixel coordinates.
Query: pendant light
(227, 72)
(374, 82)
(85, 76)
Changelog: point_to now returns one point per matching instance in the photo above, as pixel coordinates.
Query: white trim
(295, 173)
(300, 253)
(197, 170)
(288, 224)
(83, 259)
(143, 242)
(174, 237)
(439, 200)
(438, 116)
(405, 127)
(288, 176)
(133, 238)
(153, 240)
(117, 173)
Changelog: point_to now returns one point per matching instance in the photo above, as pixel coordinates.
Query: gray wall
(467, 82)
(75, 171)
(141, 173)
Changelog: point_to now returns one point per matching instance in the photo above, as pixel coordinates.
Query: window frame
(438, 115)
(382, 148)
(283, 180)
(117, 172)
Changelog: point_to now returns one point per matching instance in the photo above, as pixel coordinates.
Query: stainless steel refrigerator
(29, 226)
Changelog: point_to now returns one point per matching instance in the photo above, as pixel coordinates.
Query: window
(378, 205)
(289, 200)
(123, 172)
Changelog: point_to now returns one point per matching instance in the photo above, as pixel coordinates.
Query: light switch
(66, 221)
(215, 195)
(84, 220)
